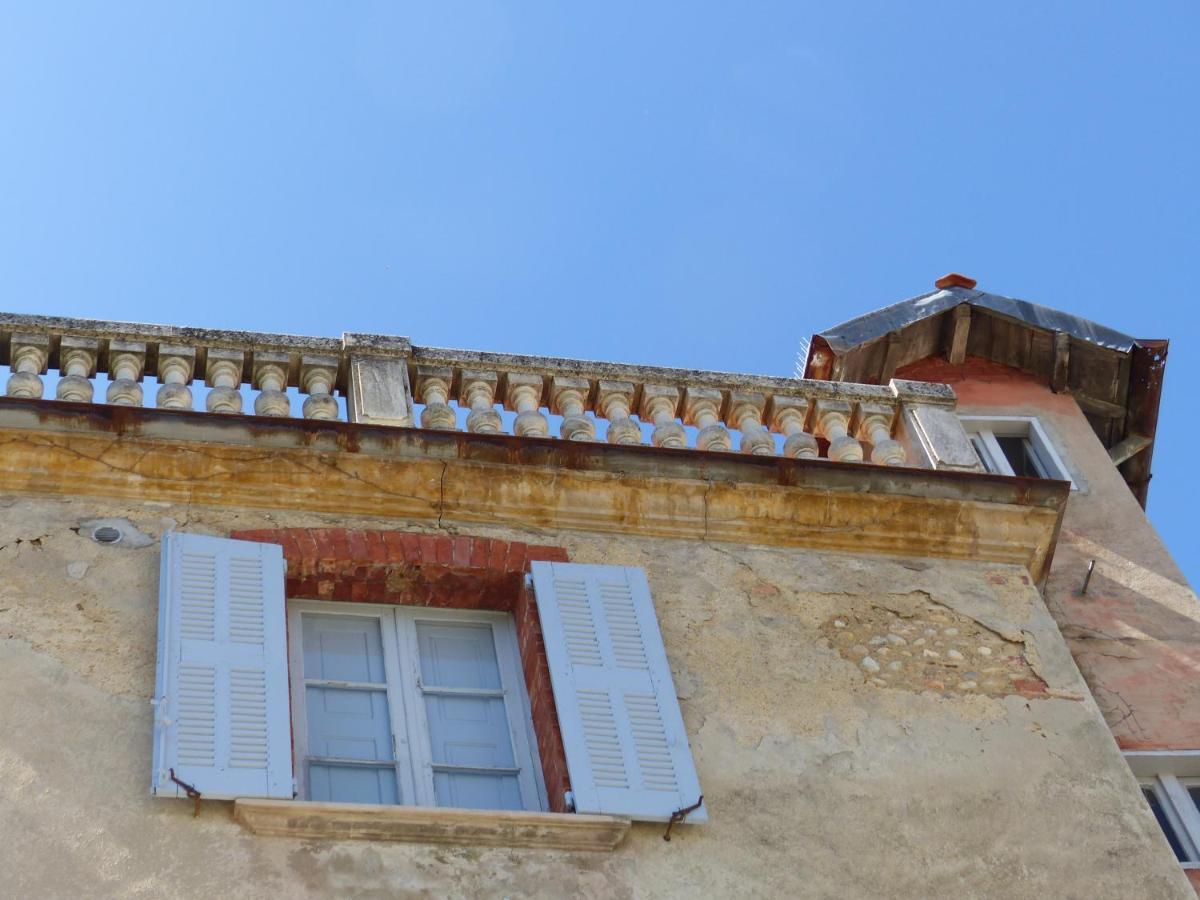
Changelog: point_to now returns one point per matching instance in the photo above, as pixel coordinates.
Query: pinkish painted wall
(1136, 633)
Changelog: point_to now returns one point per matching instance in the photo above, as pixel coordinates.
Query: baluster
(787, 416)
(833, 424)
(318, 375)
(27, 361)
(433, 389)
(223, 375)
(175, 367)
(524, 395)
(614, 400)
(126, 362)
(745, 414)
(478, 392)
(875, 426)
(659, 405)
(269, 377)
(568, 398)
(76, 365)
(702, 408)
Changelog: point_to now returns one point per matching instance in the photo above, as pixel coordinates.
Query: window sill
(427, 825)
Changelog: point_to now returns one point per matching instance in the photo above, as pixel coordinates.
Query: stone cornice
(66, 449)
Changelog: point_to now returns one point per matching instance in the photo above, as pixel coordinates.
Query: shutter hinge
(680, 814)
(569, 800)
(161, 708)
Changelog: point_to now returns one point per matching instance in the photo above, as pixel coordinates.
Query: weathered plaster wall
(1136, 633)
(819, 781)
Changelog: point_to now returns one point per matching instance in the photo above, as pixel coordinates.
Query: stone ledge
(56, 448)
(428, 825)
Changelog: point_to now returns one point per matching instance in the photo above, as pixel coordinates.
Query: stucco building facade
(804, 600)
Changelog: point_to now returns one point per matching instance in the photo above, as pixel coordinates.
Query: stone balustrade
(183, 362)
(386, 380)
(679, 408)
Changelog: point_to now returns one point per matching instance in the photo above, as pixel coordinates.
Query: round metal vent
(106, 534)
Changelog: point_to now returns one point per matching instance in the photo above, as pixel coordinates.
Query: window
(1014, 445)
(409, 706)
(1175, 803)
(403, 705)
(1159, 806)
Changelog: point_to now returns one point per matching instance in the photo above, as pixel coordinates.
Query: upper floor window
(1175, 803)
(1170, 782)
(1014, 445)
(412, 706)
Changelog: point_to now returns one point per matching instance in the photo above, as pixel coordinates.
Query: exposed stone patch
(924, 646)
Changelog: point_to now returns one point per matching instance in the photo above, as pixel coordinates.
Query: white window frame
(1180, 810)
(1169, 773)
(405, 697)
(985, 428)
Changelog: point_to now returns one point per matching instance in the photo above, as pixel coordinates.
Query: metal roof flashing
(1115, 379)
(881, 322)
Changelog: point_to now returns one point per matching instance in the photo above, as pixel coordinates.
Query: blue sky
(697, 184)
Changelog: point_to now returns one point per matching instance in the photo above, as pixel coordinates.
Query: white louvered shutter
(222, 718)
(627, 750)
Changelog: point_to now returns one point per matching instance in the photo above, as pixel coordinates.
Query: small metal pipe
(1088, 577)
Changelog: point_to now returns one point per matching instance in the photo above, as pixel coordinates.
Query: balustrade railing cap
(142, 332)
(695, 379)
(385, 344)
(928, 393)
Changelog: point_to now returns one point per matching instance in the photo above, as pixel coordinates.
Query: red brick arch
(445, 571)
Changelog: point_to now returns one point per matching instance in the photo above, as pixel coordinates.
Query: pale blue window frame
(412, 754)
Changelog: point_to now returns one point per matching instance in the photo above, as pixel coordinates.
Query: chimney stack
(955, 280)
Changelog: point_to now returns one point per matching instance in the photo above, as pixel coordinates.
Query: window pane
(460, 656)
(1194, 793)
(471, 791)
(1164, 823)
(469, 731)
(348, 724)
(1019, 453)
(343, 648)
(353, 784)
